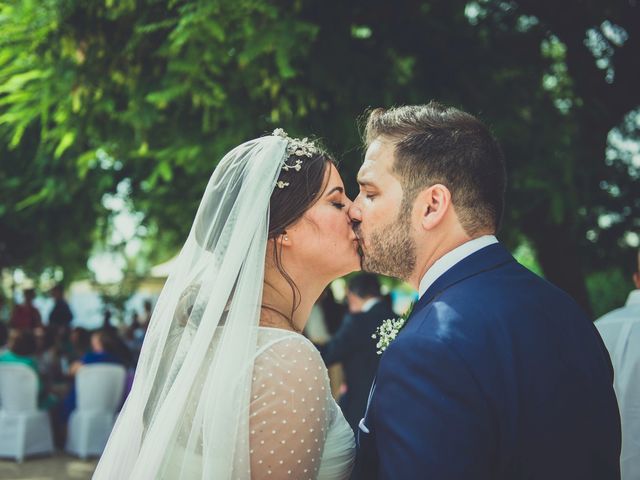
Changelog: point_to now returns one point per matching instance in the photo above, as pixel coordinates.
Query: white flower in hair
(279, 132)
(296, 147)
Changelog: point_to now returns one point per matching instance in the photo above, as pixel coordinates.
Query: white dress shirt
(368, 305)
(620, 330)
(449, 259)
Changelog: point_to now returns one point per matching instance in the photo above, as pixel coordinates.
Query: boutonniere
(389, 330)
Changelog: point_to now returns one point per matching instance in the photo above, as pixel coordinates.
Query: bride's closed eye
(338, 205)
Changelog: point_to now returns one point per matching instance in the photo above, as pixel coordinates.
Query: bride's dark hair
(290, 203)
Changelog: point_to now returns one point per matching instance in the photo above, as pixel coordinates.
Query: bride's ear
(284, 240)
(433, 203)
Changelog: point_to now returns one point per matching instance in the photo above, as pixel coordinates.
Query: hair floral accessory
(296, 150)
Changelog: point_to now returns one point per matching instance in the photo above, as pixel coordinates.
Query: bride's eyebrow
(335, 189)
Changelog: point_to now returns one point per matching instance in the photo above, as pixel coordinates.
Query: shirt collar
(449, 259)
(368, 305)
(634, 298)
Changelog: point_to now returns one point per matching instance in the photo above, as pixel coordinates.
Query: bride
(226, 386)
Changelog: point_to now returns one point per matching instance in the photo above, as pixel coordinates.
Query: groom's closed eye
(368, 193)
(367, 188)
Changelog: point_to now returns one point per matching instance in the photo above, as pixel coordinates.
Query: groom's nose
(355, 214)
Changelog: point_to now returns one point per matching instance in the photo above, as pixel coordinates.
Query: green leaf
(164, 170)
(65, 142)
(19, 80)
(85, 162)
(35, 198)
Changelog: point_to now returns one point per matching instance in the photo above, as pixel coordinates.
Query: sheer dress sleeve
(289, 414)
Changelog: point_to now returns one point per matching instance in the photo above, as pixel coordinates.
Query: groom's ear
(432, 204)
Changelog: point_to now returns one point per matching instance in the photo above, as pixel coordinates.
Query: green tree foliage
(154, 92)
(94, 93)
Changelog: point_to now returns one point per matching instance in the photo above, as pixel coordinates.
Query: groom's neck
(432, 251)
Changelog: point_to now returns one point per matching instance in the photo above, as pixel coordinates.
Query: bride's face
(323, 242)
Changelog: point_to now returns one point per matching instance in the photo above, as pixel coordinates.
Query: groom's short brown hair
(438, 144)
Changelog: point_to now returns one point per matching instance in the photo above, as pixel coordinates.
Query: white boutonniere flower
(387, 332)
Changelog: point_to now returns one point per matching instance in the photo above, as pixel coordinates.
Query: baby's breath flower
(387, 332)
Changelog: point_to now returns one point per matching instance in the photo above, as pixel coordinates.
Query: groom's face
(382, 224)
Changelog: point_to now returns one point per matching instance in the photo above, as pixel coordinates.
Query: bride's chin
(355, 265)
(347, 268)
(351, 263)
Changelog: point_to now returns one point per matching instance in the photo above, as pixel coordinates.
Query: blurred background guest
(79, 345)
(47, 356)
(106, 320)
(4, 337)
(353, 346)
(4, 310)
(146, 316)
(333, 311)
(620, 330)
(25, 316)
(105, 348)
(72, 350)
(22, 347)
(316, 328)
(134, 336)
(61, 316)
(321, 325)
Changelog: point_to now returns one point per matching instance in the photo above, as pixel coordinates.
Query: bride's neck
(278, 298)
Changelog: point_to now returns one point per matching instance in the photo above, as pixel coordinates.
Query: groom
(497, 375)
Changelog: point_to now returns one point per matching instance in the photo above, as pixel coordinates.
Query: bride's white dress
(296, 429)
(215, 395)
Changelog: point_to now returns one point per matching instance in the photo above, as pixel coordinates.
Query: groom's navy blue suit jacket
(497, 375)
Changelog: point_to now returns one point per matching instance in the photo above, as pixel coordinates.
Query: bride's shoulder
(289, 356)
(288, 346)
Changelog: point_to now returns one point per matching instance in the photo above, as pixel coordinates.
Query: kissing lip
(355, 234)
(359, 244)
(358, 238)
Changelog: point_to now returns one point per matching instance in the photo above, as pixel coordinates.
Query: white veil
(188, 410)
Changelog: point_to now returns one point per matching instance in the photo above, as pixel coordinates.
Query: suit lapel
(485, 259)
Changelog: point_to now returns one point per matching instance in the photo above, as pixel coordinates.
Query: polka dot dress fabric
(293, 415)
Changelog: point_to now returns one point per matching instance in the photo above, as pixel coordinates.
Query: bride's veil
(188, 410)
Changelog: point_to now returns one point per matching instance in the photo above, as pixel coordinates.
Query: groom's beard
(391, 250)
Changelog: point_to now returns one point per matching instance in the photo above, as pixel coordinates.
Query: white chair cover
(24, 430)
(99, 389)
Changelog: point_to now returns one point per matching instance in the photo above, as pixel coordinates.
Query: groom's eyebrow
(336, 189)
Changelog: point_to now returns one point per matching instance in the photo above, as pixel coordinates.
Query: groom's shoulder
(487, 293)
(486, 304)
